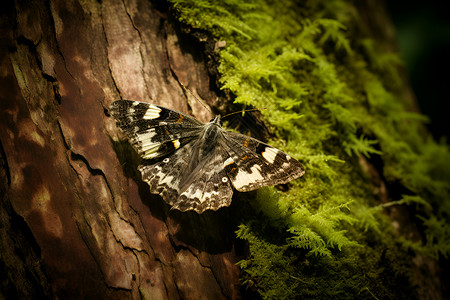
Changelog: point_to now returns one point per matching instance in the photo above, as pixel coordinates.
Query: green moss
(332, 97)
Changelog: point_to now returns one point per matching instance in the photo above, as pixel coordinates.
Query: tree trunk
(73, 223)
(76, 220)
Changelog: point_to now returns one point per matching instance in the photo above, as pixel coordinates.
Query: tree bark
(76, 221)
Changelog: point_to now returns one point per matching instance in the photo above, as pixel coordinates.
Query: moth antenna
(244, 111)
(201, 102)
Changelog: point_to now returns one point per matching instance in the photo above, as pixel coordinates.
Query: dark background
(423, 34)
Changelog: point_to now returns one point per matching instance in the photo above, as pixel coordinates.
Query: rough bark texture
(73, 223)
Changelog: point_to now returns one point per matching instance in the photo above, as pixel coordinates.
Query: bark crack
(99, 172)
(107, 51)
(58, 48)
(216, 278)
(141, 44)
(78, 157)
(4, 164)
(133, 275)
(179, 247)
(119, 241)
(176, 285)
(67, 146)
(87, 243)
(178, 81)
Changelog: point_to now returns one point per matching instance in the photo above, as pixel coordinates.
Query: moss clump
(334, 98)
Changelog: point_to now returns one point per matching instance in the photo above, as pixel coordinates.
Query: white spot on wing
(269, 154)
(229, 161)
(244, 179)
(190, 194)
(146, 136)
(165, 179)
(146, 147)
(208, 195)
(176, 144)
(150, 151)
(197, 194)
(152, 112)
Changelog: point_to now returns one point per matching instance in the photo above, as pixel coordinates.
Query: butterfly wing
(205, 187)
(251, 164)
(154, 131)
(197, 168)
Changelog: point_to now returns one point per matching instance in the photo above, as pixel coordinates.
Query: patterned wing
(199, 162)
(252, 164)
(205, 187)
(154, 131)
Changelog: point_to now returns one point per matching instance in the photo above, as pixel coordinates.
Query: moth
(195, 166)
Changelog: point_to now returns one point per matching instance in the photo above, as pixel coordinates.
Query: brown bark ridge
(76, 220)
